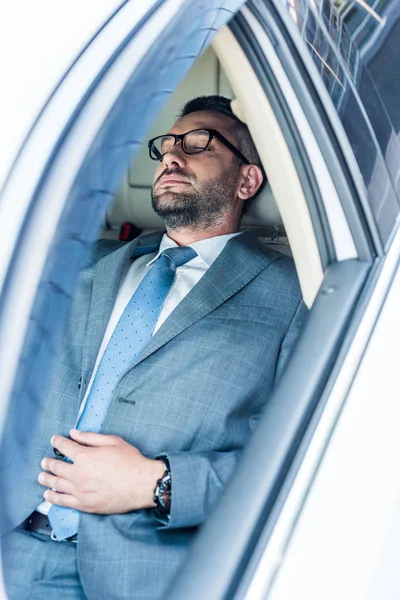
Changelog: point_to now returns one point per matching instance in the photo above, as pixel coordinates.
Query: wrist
(156, 470)
(162, 492)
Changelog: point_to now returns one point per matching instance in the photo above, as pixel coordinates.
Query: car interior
(282, 217)
(132, 214)
(314, 208)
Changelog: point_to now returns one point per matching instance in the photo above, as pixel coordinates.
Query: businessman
(174, 346)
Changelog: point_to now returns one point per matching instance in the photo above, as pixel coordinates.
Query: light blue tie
(131, 335)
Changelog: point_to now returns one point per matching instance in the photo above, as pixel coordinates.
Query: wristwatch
(162, 493)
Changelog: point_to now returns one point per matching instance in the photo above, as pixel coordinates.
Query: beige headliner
(277, 161)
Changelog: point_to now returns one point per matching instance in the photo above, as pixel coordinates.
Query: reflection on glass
(370, 10)
(326, 64)
(354, 45)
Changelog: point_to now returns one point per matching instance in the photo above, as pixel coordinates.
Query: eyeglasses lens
(196, 141)
(193, 143)
(165, 143)
(161, 145)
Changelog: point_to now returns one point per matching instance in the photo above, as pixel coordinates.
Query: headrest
(262, 210)
(133, 205)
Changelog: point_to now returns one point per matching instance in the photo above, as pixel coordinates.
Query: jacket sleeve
(199, 478)
(288, 342)
(197, 481)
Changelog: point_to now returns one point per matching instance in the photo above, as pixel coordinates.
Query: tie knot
(179, 256)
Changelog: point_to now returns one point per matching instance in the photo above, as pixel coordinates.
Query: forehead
(204, 119)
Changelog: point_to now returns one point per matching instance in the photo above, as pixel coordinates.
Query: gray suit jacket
(194, 394)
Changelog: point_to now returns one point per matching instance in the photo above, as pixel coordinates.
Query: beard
(203, 206)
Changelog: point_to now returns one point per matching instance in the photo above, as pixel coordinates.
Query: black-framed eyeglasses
(193, 142)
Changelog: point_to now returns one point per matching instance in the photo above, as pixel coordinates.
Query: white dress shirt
(186, 277)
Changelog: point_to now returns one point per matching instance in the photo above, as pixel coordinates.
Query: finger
(89, 438)
(56, 483)
(67, 500)
(65, 446)
(58, 467)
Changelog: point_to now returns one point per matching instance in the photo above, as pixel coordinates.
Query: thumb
(88, 438)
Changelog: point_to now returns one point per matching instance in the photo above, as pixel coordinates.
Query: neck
(186, 236)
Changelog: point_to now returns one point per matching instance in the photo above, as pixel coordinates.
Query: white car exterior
(331, 528)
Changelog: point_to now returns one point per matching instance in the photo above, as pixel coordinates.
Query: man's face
(197, 190)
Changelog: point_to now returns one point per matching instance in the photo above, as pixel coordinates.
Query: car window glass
(349, 45)
(108, 157)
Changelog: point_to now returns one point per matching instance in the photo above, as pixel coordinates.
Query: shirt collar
(207, 249)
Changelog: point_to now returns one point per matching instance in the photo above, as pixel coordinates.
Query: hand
(108, 475)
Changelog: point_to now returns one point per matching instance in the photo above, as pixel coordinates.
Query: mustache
(175, 171)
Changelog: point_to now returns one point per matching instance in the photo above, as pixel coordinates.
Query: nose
(175, 156)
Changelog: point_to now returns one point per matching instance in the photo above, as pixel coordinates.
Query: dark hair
(239, 130)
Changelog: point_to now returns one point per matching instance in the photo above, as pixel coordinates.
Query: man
(174, 345)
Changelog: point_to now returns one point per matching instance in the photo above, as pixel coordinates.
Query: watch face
(164, 492)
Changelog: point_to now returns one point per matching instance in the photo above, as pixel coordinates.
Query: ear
(251, 179)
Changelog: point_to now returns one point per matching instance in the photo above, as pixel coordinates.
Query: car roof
(39, 42)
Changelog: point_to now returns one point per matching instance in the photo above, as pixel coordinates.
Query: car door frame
(299, 419)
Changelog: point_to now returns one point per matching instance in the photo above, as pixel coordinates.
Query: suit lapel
(106, 282)
(241, 260)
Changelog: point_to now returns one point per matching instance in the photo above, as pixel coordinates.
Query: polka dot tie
(131, 335)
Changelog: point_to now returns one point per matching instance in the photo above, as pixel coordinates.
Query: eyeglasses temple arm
(231, 147)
